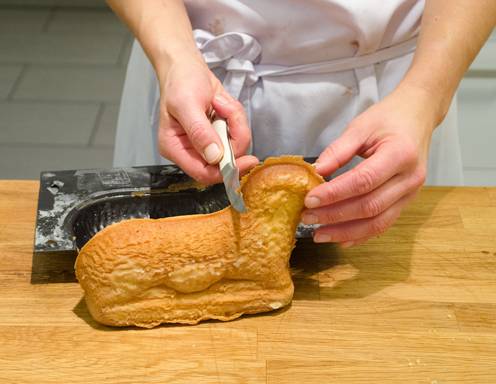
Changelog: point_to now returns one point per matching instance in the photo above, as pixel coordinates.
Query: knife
(227, 165)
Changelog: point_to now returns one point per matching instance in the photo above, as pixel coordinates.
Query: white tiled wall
(49, 3)
(74, 83)
(477, 118)
(62, 71)
(61, 76)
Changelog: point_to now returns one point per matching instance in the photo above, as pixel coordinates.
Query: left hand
(393, 136)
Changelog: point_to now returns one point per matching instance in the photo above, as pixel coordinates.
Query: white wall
(50, 3)
(477, 118)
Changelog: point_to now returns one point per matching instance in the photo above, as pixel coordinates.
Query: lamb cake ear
(290, 173)
(186, 269)
(286, 160)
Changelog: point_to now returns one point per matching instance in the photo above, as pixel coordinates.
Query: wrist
(165, 34)
(431, 103)
(175, 56)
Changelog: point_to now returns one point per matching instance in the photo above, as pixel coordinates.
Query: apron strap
(234, 52)
(238, 55)
(368, 93)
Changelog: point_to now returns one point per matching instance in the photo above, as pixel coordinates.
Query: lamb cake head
(186, 269)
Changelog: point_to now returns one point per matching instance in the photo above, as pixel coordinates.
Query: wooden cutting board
(416, 305)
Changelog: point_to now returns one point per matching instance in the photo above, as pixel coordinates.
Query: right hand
(185, 135)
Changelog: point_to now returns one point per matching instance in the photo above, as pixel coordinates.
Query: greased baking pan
(74, 205)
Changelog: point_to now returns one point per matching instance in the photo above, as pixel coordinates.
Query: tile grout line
(65, 64)
(53, 146)
(121, 59)
(35, 7)
(93, 8)
(98, 120)
(51, 103)
(49, 19)
(27, 101)
(13, 90)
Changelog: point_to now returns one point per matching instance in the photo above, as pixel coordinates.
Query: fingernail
(312, 202)
(212, 153)
(316, 166)
(221, 99)
(347, 244)
(310, 219)
(322, 238)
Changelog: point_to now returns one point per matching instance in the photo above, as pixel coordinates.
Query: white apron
(302, 69)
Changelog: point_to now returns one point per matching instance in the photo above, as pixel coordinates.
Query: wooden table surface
(416, 305)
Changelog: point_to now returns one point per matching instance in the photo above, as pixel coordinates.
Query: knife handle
(220, 126)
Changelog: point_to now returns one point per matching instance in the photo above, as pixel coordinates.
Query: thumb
(193, 119)
(232, 110)
(339, 152)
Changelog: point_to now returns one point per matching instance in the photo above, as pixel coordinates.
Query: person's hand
(188, 92)
(393, 137)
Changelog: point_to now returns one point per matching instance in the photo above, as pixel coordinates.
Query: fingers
(365, 206)
(189, 110)
(358, 230)
(353, 243)
(207, 174)
(175, 145)
(186, 135)
(190, 113)
(386, 162)
(245, 163)
(339, 152)
(232, 110)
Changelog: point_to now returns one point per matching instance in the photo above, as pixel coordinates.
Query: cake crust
(186, 269)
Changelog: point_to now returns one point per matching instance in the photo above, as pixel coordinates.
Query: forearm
(452, 33)
(161, 26)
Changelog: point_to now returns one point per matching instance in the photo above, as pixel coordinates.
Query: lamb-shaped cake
(185, 269)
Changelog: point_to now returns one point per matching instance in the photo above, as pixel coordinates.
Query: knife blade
(228, 168)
